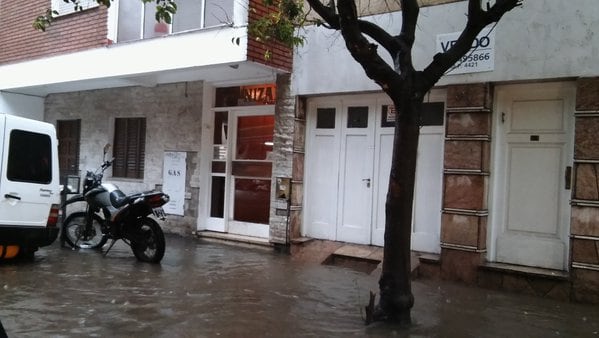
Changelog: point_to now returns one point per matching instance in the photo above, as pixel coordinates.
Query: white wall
(22, 105)
(544, 39)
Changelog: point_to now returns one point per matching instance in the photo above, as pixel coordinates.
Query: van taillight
(53, 216)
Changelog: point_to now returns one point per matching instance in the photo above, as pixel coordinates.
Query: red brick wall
(74, 32)
(281, 55)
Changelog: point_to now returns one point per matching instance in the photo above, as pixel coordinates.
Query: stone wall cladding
(464, 230)
(584, 226)
(280, 211)
(467, 155)
(173, 123)
(466, 167)
(465, 181)
(586, 185)
(69, 33)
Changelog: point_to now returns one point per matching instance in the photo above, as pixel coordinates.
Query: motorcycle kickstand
(109, 247)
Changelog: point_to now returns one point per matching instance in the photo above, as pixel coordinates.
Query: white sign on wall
(480, 58)
(174, 181)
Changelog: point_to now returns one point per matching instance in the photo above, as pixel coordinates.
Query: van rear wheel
(78, 236)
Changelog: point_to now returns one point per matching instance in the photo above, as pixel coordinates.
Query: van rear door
(29, 181)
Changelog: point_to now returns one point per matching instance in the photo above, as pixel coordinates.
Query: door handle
(46, 192)
(367, 180)
(568, 177)
(12, 196)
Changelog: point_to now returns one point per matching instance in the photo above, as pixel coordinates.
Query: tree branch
(327, 13)
(409, 14)
(364, 52)
(378, 34)
(477, 20)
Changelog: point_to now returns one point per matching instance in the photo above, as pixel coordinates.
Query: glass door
(240, 171)
(251, 171)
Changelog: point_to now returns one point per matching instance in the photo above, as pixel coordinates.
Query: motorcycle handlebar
(107, 164)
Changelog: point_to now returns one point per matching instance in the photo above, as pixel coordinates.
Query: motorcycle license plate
(159, 212)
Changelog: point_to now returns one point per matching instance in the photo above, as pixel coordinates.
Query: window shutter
(64, 8)
(69, 132)
(129, 147)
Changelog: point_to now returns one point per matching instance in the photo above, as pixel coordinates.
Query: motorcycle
(110, 214)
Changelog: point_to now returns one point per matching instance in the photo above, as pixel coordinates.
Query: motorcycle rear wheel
(74, 228)
(149, 244)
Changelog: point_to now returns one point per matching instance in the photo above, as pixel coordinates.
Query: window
(218, 12)
(138, 21)
(64, 7)
(29, 157)
(357, 117)
(325, 118)
(431, 114)
(129, 147)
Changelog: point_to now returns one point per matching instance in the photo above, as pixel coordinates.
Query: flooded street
(206, 289)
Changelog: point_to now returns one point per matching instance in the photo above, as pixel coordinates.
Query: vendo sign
(480, 58)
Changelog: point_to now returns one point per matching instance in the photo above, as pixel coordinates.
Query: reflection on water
(208, 290)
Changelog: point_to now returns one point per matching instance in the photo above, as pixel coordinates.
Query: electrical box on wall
(283, 188)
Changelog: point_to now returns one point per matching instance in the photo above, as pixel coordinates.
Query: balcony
(207, 40)
(136, 20)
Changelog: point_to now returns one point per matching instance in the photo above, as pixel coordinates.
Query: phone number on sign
(475, 57)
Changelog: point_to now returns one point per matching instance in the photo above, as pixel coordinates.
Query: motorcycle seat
(119, 199)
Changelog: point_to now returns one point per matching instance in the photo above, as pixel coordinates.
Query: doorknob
(367, 180)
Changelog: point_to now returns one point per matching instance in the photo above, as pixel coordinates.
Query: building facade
(189, 108)
(506, 192)
(506, 188)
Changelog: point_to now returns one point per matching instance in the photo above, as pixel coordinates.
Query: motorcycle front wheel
(148, 244)
(78, 236)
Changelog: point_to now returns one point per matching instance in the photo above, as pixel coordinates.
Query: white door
(384, 134)
(322, 171)
(426, 217)
(533, 151)
(355, 189)
(348, 160)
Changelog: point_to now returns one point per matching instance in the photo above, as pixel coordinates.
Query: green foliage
(281, 24)
(165, 9)
(42, 21)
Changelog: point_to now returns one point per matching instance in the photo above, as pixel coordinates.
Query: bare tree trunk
(396, 298)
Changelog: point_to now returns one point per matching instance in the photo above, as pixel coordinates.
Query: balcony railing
(137, 20)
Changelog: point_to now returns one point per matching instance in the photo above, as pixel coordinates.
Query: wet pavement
(207, 289)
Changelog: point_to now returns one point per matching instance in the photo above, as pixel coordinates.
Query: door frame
(498, 177)
(205, 221)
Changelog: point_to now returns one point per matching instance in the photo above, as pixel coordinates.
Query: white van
(29, 185)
